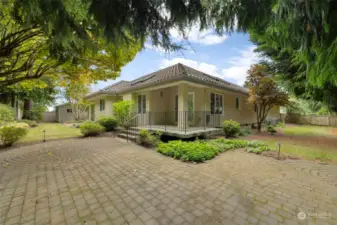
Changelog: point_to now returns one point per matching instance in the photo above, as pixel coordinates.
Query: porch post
(182, 106)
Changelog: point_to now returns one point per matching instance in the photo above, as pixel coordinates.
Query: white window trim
(223, 101)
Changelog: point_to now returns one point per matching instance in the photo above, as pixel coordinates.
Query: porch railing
(182, 121)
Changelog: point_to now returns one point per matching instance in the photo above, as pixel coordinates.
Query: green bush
(6, 114)
(31, 123)
(147, 139)
(90, 128)
(257, 147)
(197, 151)
(226, 144)
(12, 133)
(271, 130)
(280, 124)
(245, 132)
(108, 122)
(231, 128)
(258, 150)
(123, 112)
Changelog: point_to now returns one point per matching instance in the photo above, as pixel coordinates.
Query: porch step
(131, 134)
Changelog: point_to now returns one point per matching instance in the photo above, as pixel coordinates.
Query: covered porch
(181, 109)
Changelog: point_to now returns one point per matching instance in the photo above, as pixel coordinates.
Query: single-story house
(178, 99)
(64, 113)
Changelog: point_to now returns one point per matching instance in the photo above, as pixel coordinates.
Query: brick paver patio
(108, 181)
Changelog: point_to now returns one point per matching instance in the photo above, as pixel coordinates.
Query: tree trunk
(259, 126)
(27, 107)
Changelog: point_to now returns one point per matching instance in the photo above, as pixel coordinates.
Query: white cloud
(236, 72)
(240, 65)
(194, 35)
(204, 67)
(155, 48)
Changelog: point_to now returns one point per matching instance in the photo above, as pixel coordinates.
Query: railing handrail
(131, 119)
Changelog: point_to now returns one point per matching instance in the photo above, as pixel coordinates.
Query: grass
(314, 152)
(306, 130)
(53, 131)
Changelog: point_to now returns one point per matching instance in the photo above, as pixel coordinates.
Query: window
(216, 103)
(141, 103)
(69, 110)
(237, 103)
(101, 105)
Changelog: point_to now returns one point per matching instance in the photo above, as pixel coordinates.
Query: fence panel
(310, 119)
(49, 117)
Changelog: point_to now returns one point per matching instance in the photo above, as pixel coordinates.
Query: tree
(291, 74)
(123, 112)
(75, 93)
(264, 93)
(31, 48)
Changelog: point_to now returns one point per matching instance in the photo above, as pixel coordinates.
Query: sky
(228, 56)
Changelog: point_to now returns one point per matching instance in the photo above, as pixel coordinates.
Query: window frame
(141, 103)
(218, 98)
(238, 103)
(69, 110)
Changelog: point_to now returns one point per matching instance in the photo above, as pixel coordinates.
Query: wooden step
(128, 137)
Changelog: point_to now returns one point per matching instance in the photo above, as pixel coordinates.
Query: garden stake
(279, 149)
(44, 135)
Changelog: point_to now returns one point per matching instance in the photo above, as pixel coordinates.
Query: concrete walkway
(108, 181)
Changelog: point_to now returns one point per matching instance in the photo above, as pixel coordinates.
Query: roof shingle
(175, 72)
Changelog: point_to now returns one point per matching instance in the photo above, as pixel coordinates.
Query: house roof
(173, 73)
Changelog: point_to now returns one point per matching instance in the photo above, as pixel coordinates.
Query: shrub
(123, 112)
(197, 151)
(147, 139)
(255, 144)
(90, 128)
(108, 122)
(257, 147)
(245, 132)
(226, 144)
(6, 114)
(280, 124)
(31, 123)
(258, 150)
(231, 128)
(12, 133)
(19, 124)
(271, 130)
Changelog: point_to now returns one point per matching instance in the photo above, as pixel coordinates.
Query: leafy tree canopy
(31, 47)
(264, 93)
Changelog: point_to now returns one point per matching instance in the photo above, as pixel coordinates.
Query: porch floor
(178, 132)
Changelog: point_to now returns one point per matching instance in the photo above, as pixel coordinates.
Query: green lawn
(307, 130)
(53, 131)
(313, 152)
(303, 141)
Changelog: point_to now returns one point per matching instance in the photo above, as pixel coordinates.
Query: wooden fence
(310, 119)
